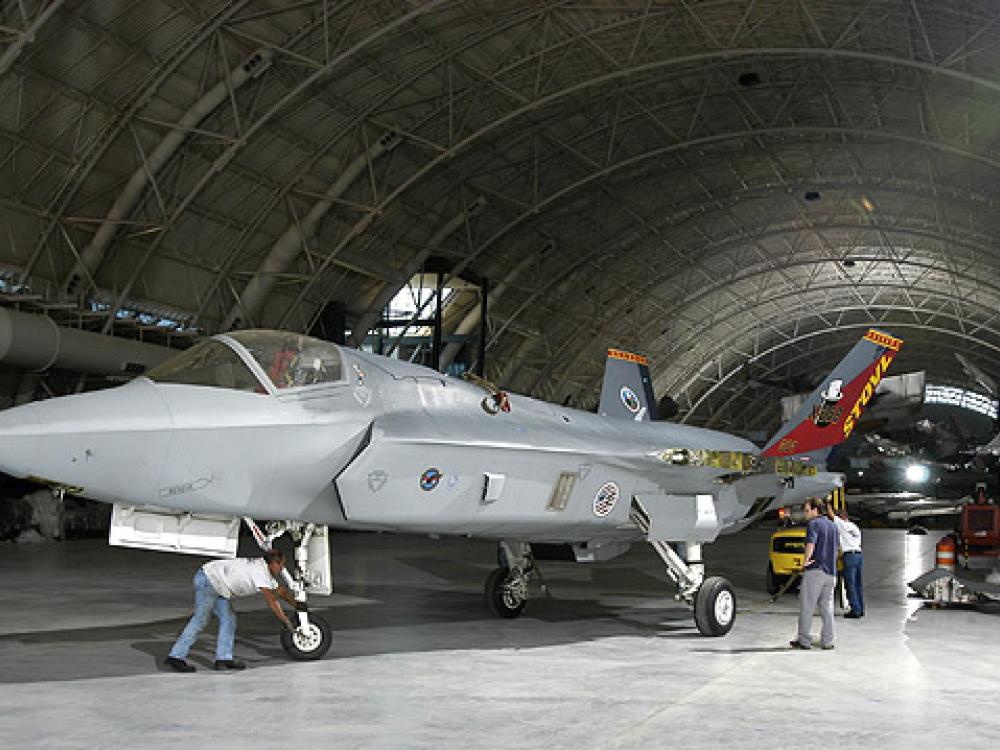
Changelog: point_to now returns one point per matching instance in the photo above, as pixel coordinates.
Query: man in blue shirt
(819, 576)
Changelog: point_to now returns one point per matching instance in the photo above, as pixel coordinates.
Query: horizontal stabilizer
(627, 392)
(831, 412)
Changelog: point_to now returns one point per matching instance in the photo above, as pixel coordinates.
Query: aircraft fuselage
(383, 445)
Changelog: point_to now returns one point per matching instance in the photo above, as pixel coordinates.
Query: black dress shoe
(221, 664)
(797, 644)
(852, 616)
(179, 664)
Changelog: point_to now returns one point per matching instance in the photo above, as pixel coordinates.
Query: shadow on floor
(749, 650)
(393, 621)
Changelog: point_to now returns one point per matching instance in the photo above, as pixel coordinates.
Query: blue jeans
(206, 601)
(854, 567)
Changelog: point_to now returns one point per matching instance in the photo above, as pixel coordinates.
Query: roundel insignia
(429, 479)
(605, 499)
(630, 400)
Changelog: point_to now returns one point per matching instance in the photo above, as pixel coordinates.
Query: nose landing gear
(312, 636)
(310, 640)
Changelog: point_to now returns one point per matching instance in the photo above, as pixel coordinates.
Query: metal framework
(731, 186)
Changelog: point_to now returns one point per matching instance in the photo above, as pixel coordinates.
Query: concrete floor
(609, 660)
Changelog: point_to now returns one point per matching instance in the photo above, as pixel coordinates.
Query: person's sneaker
(221, 664)
(179, 664)
(828, 647)
(798, 645)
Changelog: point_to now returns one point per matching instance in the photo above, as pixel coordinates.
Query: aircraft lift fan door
(172, 531)
(165, 530)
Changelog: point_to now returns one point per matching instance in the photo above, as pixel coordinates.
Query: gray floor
(609, 660)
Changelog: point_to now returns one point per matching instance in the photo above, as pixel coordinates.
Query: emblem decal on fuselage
(606, 499)
(359, 372)
(630, 400)
(377, 479)
(429, 479)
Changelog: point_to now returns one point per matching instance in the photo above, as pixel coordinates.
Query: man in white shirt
(854, 563)
(215, 584)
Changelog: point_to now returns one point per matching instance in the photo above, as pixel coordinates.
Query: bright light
(917, 473)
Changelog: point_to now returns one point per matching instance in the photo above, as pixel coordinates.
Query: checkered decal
(605, 499)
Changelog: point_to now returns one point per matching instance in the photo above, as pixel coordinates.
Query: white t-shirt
(239, 577)
(850, 535)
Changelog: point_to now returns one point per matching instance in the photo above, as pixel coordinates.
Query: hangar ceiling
(738, 188)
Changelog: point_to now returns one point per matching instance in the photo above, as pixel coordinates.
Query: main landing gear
(312, 636)
(507, 586)
(713, 599)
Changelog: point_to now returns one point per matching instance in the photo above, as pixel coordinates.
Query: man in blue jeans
(819, 575)
(854, 563)
(215, 584)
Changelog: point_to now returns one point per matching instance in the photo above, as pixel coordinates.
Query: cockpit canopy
(289, 360)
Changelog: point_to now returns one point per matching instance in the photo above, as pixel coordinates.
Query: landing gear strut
(313, 636)
(507, 586)
(713, 599)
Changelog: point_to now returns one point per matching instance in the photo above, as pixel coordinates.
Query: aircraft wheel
(715, 607)
(310, 643)
(506, 593)
(774, 581)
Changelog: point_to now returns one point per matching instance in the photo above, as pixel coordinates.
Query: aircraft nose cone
(20, 439)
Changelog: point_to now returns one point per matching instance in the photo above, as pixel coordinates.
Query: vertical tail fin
(831, 412)
(627, 392)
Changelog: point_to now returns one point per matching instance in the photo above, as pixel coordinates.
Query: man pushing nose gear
(215, 584)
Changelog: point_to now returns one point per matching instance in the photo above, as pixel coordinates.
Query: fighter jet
(276, 425)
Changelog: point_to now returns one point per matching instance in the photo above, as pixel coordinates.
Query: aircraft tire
(715, 607)
(309, 646)
(498, 599)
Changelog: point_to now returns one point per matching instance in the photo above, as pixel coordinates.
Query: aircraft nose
(20, 438)
(109, 443)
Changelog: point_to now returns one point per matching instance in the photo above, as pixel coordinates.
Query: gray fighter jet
(276, 425)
